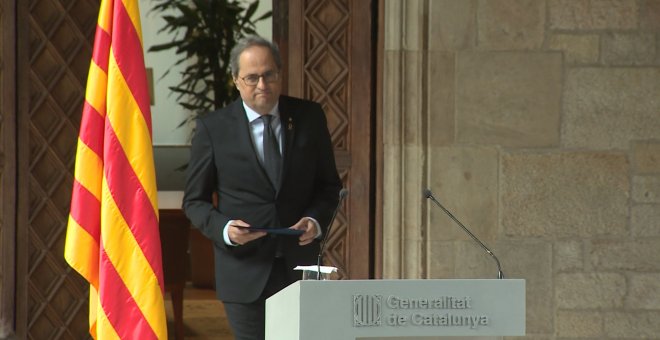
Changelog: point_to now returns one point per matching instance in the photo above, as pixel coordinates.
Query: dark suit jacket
(223, 160)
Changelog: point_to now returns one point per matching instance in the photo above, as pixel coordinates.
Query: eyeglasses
(253, 79)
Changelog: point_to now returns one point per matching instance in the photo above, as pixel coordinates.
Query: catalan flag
(112, 235)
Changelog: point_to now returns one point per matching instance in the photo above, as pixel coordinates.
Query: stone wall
(537, 124)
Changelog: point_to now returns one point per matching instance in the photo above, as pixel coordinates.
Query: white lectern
(377, 309)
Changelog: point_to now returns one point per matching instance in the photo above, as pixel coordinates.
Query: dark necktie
(272, 157)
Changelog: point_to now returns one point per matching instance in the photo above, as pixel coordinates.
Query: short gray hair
(247, 42)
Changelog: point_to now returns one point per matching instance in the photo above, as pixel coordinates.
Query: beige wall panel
(646, 189)
(642, 292)
(508, 98)
(590, 290)
(646, 157)
(605, 108)
(593, 14)
(580, 324)
(442, 90)
(632, 324)
(452, 25)
(530, 260)
(564, 194)
(650, 15)
(442, 256)
(568, 256)
(577, 48)
(640, 255)
(645, 220)
(628, 49)
(551, 107)
(510, 25)
(464, 180)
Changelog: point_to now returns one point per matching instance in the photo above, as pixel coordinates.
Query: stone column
(404, 138)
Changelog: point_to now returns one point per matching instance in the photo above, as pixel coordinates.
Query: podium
(396, 309)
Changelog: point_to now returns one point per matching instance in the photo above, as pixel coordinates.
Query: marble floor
(203, 316)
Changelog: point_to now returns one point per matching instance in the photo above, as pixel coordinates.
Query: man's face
(256, 62)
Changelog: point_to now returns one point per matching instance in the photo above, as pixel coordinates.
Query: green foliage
(205, 32)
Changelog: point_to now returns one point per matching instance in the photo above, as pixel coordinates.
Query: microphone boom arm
(430, 196)
(342, 194)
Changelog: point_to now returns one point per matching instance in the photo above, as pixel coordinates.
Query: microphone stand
(342, 194)
(430, 196)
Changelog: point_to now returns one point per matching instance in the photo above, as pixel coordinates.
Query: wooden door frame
(9, 173)
(281, 21)
(22, 160)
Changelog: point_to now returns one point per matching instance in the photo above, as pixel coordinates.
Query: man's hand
(239, 233)
(309, 227)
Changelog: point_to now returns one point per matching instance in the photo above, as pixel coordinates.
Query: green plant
(205, 32)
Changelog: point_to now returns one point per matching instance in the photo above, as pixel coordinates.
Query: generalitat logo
(367, 310)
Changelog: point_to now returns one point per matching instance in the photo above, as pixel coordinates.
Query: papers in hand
(324, 269)
(279, 231)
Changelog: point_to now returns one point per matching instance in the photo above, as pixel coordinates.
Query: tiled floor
(203, 316)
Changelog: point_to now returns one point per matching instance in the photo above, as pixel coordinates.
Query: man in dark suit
(269, 158)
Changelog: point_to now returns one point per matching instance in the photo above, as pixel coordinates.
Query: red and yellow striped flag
(112, 235)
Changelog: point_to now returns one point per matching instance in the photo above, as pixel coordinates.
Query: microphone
(342, 194)
(428, 194)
